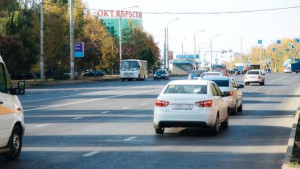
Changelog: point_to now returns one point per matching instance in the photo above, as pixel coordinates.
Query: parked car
(195, 74)
(254, 76)
(228, 84)
(11, 116)
(191, 103)
(235, 71)
(161, 74)
(97, 73)
(287, 70)
(211, 74)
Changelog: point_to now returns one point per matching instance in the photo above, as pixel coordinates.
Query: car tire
(159, 130)
(154, 79)
(216, 127)
(123, 80)
(225, 123)
(234, 111)
(14, 144)
(240, 108)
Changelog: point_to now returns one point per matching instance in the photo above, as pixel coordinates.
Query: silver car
(254, 76)
(228, 84)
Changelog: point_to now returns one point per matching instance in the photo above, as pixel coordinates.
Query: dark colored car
(93, 73)
(161, 74)
(235, 71)
(195, 74)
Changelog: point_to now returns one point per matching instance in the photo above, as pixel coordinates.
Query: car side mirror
(225, 94)
(21, 87)
(241, 86)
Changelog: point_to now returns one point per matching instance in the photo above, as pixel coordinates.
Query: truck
(295, 67)
(254, 66)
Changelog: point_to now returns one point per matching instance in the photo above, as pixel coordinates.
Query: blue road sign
(274, 49)
(297, 40)
(79, 49)
(259, 41)
(278, 41)
(287, 49)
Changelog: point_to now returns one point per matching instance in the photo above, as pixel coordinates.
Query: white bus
(134, 69)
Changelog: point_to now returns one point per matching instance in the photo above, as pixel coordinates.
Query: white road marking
(76, 118)
(104, 112)
(42, 125)
(143, 104)
(90, 154)
(125, 108)
(129, 139)
(89, 100)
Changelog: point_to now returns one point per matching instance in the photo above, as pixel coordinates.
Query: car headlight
(154, 74)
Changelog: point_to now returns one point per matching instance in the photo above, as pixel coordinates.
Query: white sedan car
(191, 103)
(228, 84)
(254, 76)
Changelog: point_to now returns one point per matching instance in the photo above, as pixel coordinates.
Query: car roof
(197, 71)
(212, 73)
(189, 82)
(216, 78)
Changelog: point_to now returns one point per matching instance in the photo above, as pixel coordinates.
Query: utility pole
(42, 41)
(242, 50)
(165, 48)
(71, 39)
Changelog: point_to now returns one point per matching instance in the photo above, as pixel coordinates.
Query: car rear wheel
(225, 123)
(216, 127)
(240, 108)
(234, 110)
(159, 130)
(14, 144)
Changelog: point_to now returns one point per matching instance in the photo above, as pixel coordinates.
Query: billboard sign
(106, 14)
(79, 49)
(187, 57)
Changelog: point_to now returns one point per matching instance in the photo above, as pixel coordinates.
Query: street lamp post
(195, 43)
(212, 50)
(120, 33)
(182, 45)
(166, 45)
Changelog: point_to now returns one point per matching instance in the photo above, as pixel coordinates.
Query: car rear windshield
(160, 71)
(186, 89)
(222, 83)
(253, 73)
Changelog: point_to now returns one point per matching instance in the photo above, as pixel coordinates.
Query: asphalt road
(108, 125)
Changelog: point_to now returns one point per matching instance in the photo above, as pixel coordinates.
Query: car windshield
(222, 83)
(253, 73)
(129, 65)
(160, 71)
(186, 89)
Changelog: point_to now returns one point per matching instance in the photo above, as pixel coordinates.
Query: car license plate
(182, 106)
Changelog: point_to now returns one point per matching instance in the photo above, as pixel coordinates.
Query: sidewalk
(50, 82)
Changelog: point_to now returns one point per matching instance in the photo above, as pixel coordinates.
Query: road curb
(290, 145)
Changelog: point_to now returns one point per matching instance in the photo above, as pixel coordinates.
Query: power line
(222, 12)
(195, 13)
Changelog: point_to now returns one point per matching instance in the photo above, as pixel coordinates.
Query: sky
(237, 31)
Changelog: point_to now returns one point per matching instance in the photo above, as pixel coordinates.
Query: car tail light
(230, 93)
(161, 103)
(206, 103)
(259, 77)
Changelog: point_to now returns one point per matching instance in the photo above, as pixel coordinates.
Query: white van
(11, 115)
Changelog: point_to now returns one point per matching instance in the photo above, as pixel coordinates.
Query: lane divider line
(104, 112)
(42, 125)
(129, 139)
(76, 118)
(125, 108)
(90, 154)
(89, 100)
